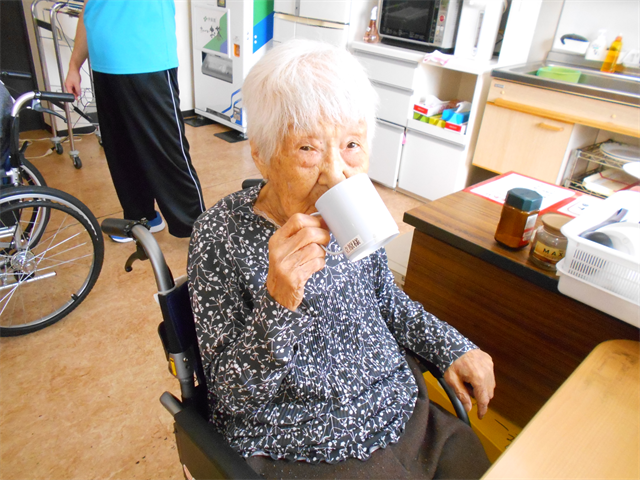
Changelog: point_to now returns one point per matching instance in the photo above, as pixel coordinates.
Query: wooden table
(590, 428)
(503, 303)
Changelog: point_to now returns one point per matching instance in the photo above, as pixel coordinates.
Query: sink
(592, 83)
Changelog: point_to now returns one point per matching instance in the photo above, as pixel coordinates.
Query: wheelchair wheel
(31, 175)
(47, 265)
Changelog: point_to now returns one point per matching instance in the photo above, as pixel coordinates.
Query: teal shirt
(131, 36)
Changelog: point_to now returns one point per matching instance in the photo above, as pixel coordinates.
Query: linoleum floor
(79, 399)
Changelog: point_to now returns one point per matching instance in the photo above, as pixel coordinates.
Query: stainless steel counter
(614, 87)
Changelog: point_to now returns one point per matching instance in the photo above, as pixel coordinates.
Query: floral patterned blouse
(326, 382)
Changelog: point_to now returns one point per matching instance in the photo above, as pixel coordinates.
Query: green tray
(559, 73)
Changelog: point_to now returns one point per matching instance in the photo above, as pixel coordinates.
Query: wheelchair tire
(43, 281)
(31, 175)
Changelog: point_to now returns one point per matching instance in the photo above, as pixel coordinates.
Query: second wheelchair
(51, 248)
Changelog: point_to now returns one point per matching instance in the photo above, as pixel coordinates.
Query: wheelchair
(203, 451)
(51, 248)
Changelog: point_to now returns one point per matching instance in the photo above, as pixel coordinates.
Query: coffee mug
(357, 217)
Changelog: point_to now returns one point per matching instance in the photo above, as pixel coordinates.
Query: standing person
(133, 50)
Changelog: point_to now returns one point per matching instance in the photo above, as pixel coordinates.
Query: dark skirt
(435, 444)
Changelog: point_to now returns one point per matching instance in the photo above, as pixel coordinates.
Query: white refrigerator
(325, 21)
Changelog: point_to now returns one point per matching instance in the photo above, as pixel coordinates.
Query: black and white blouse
(323, 383)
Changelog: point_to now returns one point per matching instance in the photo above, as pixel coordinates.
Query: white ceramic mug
(357, 217)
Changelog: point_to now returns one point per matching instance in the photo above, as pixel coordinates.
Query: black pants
(146, 148)
(434, 445)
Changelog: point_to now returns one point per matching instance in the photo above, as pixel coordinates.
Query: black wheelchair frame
(203, 452)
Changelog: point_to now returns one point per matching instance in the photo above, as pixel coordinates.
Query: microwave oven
(422, 24)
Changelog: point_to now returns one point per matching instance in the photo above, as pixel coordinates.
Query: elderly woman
(304, 352)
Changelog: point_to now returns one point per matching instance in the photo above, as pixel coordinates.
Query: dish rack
(588, 161)
(599, 276)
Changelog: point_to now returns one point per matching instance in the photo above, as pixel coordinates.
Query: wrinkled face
(308, 164)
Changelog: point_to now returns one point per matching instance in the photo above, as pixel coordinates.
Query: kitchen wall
(586, 17)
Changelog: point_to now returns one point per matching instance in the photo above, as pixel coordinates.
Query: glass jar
(518, 217)
(549, 245)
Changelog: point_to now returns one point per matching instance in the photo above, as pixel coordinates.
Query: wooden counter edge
(524, 459)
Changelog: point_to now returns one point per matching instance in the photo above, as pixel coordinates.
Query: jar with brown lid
(549, 245)
(518, 217)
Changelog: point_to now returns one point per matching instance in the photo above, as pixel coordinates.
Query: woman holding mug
(304, 351)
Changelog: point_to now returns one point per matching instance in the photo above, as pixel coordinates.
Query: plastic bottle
(518, 217)
(372, 35)
(609, 64)
(597, 49)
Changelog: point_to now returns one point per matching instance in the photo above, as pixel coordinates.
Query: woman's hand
(474, 368)
(295, 253)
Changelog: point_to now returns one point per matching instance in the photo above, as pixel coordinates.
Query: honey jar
(518, 217)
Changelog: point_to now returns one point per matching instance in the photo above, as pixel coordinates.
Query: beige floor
(79, 400)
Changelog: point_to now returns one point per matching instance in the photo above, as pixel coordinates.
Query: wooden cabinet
(533, 130)
(503, 303)
(510, 140)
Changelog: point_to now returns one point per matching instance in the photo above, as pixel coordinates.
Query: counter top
(472, 230)
(590, 428)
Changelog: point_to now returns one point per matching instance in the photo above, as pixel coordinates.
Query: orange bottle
(609, 64)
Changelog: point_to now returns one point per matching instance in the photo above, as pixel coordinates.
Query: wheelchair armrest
(437, 374)
(203, 450)
(251, 182)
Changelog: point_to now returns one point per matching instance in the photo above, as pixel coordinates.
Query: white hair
(301, 83)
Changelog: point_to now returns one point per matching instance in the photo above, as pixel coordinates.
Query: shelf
(437, 132)
(596, 161)
(383, 50)
(456, 64)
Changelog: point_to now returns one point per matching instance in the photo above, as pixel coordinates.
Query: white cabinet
(394, 103)
(431, 168)
(434, 161)
(385, 69)
(392, 79)
(384, 161)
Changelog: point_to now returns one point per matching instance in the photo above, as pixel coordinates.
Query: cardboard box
(494, 431)
(461, 129)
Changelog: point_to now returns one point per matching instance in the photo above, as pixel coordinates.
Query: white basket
(599, 276)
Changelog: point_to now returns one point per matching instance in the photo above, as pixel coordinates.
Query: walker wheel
(76, 161)
(59, 149)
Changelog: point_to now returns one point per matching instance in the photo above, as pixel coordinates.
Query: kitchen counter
(511, 309)
(613, 87)
(589, 429)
